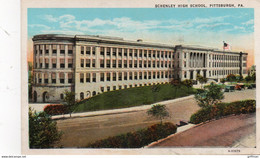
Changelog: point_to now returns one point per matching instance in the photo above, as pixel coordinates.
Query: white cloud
(39, 26)
(249, 22)
(212, 25)
(50, 18)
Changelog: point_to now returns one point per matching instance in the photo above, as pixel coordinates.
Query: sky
(191, 26)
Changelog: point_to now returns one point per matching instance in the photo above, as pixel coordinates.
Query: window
(140, 75)
(81, 62)
(70, 76)
(158, 75)
(54, 49)
(108, 63)
(102, 76)
(125, 52)
(114, 63)
(47, 49)
(125, 75)
(125, 63)
(46, 63)
(135, 52)
(153, 63)
(120, 87)
(62, 49)
(45, 78)
(114, 88)
(87, 77)
(61, 77)
(81, 78)
(70, 63)
(108, 51)
(102, 50)
(125, 86)
(93, 50)
(135, 74)
(158, 64)
(130, 76)
(102, 63)
(162, 52)
(88, 50)
(140, 53)
(70, 50)
(153, 54)
(94, 93)
(62, 63)
(53, 78)
(120, 76)
(145, 75)
(120, 63)
(87, 62)
(135, 63)
(130, 52)
(154, 75)
(149, 75)
(140, 63)
(102, 89)
(145, 65)
(158, 54)
(145, 53)
(53, 63)
(120, 52)
(150, 54)
(93, 63)
(93, 77)
(82, 50)
(108, 76)
(130, 64)
(40, 62)
(114, 76)
(81, 95)
(114, 52)
(108, 88)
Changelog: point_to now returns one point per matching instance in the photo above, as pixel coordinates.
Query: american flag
(226, 46)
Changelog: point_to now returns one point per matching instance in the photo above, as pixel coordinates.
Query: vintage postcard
(150, 77)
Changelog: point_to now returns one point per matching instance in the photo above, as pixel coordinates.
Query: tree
(248, 78)
(70, 101)
(211, 95)
(201, 79)
(159, 111)
(231, 78)
(43, 132)
(155, 90)
(222, 80)
(175, 83)
(187, 83)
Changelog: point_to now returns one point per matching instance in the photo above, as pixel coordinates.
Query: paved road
(80, 131)
(219, 133)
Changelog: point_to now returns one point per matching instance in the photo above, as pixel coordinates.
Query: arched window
(93, 93)
(81, 95)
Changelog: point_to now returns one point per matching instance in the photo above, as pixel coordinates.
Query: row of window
(113, 76)
(109, 51)
(126, 64)
(53, 63)
(52, 80)
(45, 49)
(220, 64)
(225, 57)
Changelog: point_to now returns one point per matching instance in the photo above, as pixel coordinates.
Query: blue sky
(196, 26)
(161, 20)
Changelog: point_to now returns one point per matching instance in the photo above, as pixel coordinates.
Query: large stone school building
(90, 65)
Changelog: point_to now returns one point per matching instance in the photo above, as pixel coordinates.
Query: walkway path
(236, 131)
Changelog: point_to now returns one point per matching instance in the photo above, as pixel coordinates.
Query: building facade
(90, 65)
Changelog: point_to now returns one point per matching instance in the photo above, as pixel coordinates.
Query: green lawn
(133, 97)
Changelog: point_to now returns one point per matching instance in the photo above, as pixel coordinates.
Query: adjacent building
(90, 65)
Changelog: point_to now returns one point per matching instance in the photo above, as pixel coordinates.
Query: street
(80, 131)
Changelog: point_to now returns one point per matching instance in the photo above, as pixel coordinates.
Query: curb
(118, 111)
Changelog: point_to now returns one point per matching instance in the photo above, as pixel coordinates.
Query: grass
(133, 97)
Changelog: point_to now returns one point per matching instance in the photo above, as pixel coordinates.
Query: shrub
(43, 131)
(55, 109)
(223, 109)
(137, 139)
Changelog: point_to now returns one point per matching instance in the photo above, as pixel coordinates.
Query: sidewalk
(118, 111)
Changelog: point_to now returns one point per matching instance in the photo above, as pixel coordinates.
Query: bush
(56, 109)
(43, 131)
(137, 139)
(223, 109)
